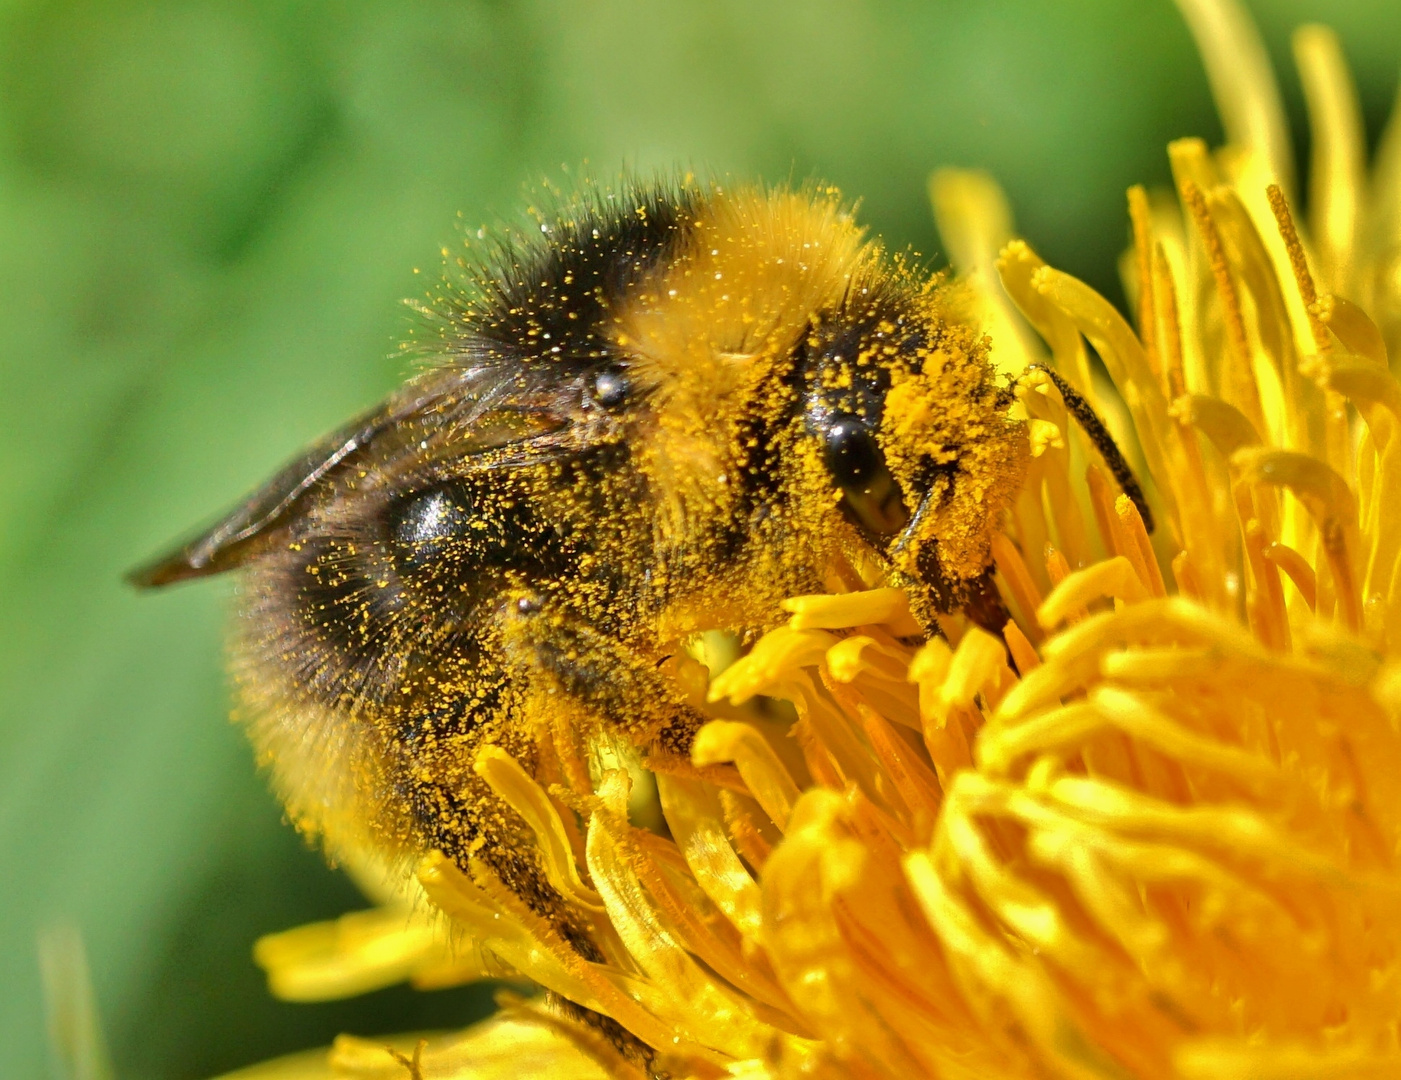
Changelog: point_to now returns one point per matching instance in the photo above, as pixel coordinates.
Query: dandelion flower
(1152, 831)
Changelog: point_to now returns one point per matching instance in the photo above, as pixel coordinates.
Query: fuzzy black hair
(545, 295)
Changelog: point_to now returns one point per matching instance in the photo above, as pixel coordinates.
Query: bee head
(913, 432)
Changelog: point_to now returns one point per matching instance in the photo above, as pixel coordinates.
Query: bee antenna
(1094, 429)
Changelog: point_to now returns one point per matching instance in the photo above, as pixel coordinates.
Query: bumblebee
(663, 413)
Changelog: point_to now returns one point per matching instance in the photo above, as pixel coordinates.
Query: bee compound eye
(468, 533)
(611, 387)
(870, 496)
(424, 522)
(851, 452)
(429, 516)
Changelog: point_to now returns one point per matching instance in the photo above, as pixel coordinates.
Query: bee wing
(472, 419)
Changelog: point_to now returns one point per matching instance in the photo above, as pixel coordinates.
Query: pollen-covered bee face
(914, 434)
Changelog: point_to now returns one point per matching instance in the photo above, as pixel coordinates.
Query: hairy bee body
(665, 413)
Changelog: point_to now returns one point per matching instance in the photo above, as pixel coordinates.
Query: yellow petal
(1242, 82)
(1337, 173)
(359, 952)
(307, 1065)
(727, 740)
(520, 791)
(871, 607)
(506, 1047)
(975, 223)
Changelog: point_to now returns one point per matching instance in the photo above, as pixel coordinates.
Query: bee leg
(621, 689)
(460, 815)
(984, 605)
(676, 737)
(612, 682)
(625, 1042)
(977, 598)
(457, 813)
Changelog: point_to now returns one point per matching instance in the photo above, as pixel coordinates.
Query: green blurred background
(208, 215)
